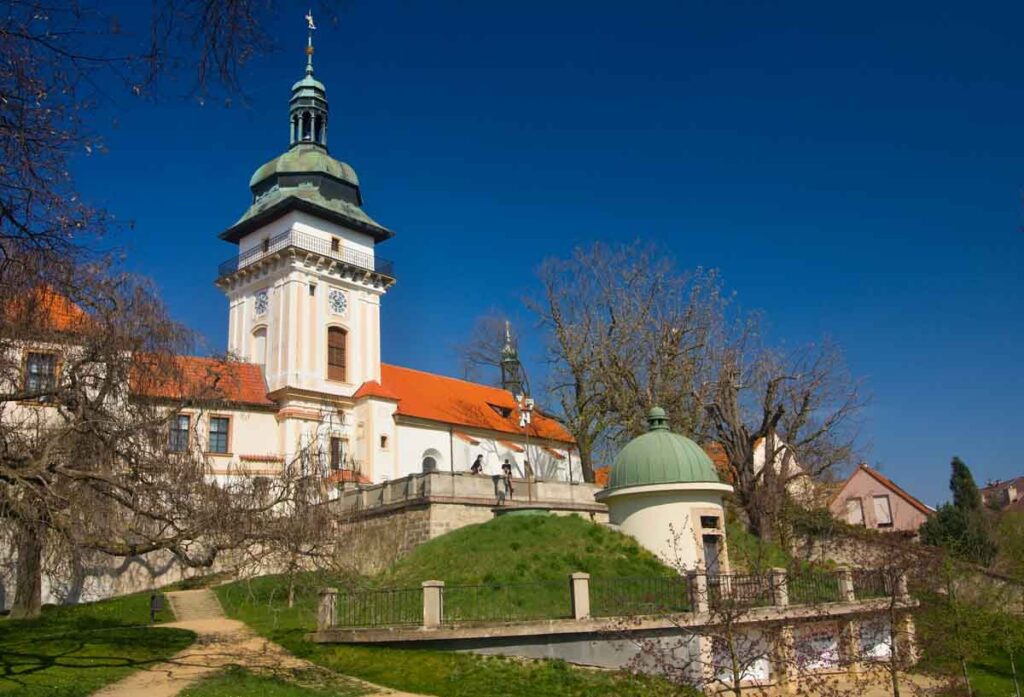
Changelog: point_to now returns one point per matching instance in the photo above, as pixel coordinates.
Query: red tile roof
(203, 379)
(44, 308)
(887, 483)
(372, 388)
(453, 401)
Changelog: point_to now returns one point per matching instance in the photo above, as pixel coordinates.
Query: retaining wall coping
(605, 625)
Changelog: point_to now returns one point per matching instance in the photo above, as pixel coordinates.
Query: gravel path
(220, 642)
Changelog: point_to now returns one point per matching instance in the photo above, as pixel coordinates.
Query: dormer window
(504, 412)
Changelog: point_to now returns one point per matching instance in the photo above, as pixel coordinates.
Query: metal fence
(739, 591)
(809, 587)
(872, 583)
(506, 602)
(382, 607)
(630, 596)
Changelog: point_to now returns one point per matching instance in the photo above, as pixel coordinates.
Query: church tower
(305, 287)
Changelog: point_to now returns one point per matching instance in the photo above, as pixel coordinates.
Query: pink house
(871, 499)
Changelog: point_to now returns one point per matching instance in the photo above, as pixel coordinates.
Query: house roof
(452, 401)
(196, 378)
(888, 484)
(1017, 482)
(46, 309)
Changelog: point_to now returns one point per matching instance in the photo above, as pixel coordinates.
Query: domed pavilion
(664, 490)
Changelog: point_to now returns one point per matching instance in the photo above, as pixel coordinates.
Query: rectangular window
(335, 244)
(854, 511)
(177, 442)
(709, 521)
(336, 354)
(883, 512)
(40, 372)
(219, 441)
(337, 453)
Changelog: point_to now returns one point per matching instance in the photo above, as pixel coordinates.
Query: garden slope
(524, 549)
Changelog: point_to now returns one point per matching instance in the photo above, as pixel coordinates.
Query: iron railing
(872, 583)
(382, 607)
(506, 602)
(309, 243)
(809, 587)
(631, 596)
(740, 591)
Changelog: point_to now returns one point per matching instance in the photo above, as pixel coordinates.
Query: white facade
(673, 521)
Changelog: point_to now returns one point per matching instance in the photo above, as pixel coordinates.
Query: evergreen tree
(961, 526)
(961, 482)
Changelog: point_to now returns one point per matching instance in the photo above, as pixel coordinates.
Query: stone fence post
(579, 591)
(433, 604)
(902, 591)
(779, 586)
(847, 593)
(326, 612)
(698, 583)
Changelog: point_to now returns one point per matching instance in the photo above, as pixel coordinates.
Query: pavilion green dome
(661, 457)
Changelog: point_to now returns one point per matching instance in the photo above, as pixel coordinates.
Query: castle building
(305, 291)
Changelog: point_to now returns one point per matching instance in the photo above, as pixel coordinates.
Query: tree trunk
(1013, 667)
(586, 461)
(967, 678)
(28, 589)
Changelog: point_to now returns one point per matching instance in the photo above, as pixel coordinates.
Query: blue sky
(853, 170)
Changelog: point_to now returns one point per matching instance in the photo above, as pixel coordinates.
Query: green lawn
(259, 603)
(520, 549)
(238, 682)
(75, 650)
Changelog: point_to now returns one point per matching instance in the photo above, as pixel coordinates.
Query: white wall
(666, 519)
(416, 439)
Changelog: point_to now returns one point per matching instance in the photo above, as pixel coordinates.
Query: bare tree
(626, 332)
(84, 459)
(801, 406)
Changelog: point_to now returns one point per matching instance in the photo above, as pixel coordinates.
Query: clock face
(338, 302)
(261, 302)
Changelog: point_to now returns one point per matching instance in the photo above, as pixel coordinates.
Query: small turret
(511, 368)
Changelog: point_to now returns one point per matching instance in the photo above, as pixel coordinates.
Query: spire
(310, 27)
(511, 368)
(308, 106)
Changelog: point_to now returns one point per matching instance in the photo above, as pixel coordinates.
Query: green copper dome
(661, 457)
(305, 158)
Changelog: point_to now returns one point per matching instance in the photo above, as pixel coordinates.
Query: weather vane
(309, 43)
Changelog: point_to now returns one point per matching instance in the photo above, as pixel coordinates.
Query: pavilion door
(711, 551)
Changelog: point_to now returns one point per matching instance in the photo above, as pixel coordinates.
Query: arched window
(432, 460)
(318, 128)
(307, 126)
(336, 338)
(259, 348)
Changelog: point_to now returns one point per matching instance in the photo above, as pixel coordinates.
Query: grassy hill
(524, 549)
(506, 550)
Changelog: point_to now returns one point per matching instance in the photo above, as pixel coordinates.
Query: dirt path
(221, 642)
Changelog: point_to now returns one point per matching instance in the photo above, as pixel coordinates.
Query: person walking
(506, 475)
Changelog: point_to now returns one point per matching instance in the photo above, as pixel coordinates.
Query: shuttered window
(336, 353)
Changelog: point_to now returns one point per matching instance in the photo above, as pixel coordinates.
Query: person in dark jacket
(478, 465)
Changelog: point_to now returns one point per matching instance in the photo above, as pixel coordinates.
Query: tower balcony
(301, 245)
